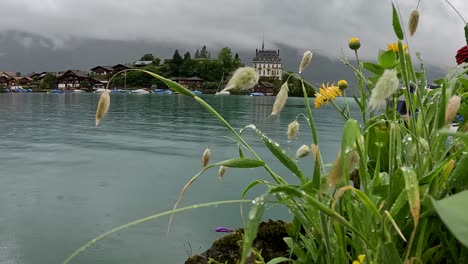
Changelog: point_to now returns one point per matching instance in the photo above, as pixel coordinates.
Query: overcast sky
(322, 25)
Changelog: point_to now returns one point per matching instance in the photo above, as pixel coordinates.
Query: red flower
(462, 55)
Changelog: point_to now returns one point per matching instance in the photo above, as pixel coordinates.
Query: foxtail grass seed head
(306, 58)
(293, 129)
(103, 106)
(452, 109)
(206, 157)
(315, 151)
(222, 171)
(243, 78)
(386, 86)
(280, 100)
(354, 43)
(302, 151)
(342, 84)
(336, 172)
(413, 22)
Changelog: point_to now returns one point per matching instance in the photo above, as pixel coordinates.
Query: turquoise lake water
(64, 181)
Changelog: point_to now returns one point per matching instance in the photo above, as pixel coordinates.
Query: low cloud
(323, 25)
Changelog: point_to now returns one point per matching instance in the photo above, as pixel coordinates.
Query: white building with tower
(267, 63)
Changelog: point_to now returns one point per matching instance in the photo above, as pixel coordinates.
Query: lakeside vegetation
(201, 65)
(396, 191)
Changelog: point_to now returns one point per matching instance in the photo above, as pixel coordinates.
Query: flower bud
(103, 106)
(243, 78)
(293, 129)
(306, 58)
(280, 99)
(342, 84)
(452, 109)
(354, 43)
(206, 157)
(413, 22)
(302, 151)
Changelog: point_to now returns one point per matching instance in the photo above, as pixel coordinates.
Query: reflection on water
(64, 181)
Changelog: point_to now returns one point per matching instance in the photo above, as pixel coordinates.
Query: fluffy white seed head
(222, 171)
(306, 58)
(206, 157)
(293, 129)
(302, 151)
(103, 106)
(452, 108)
(413, 22)
(386, 86)
(243, 78)
(280, 100)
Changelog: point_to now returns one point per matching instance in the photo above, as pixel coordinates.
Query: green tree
(187, 67)
(204, 52)
(197, 54)
(177, 62)
(225, 56)
(85, 84)
(237, 62)
(147, 57)
(49, 81)
(156, 61)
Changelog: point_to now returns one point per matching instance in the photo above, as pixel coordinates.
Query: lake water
(64, 181)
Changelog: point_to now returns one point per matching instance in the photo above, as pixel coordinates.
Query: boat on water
(197, 92)
(56, 91)
(100, 90)
(257, 94)
(140, 91)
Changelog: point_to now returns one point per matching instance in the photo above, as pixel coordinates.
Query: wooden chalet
(102, 70)
(190, 82)
(72, 79)
(120, 67)
(265, 88)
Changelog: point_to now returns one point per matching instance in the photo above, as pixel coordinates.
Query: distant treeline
(200, 65)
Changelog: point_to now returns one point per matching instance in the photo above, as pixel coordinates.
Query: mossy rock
(228, 249)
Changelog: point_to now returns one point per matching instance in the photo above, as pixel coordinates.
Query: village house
(120, 67)
(102, 71)
(140, 64)
(266, 88)
(190, 82)
(72, 79)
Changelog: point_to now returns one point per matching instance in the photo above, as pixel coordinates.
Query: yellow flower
(326, 93)
(360, 259)
(342, 84)
(394, 47)
(354, 43)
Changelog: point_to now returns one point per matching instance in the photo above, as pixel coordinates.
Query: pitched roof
(107, 68)
(143, 63)
(75, 72)
(8, 73)
(266, 84)
(267, 55)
